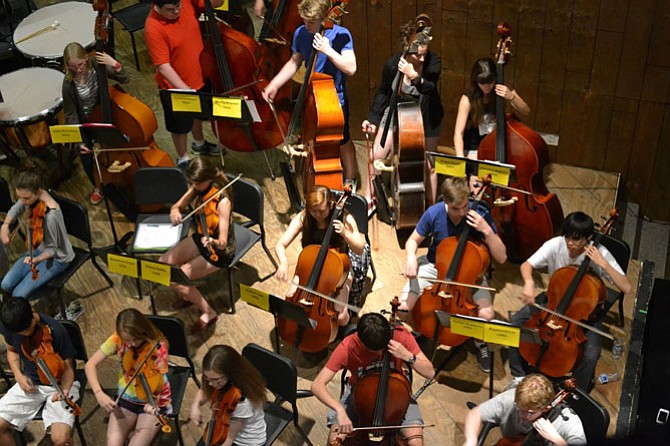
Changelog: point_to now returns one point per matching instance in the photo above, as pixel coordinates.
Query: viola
(44, 368)
(577, 294)
(209, 218)
(224, 401)
(35, 215)
(162, 419)
(458, 259)
(321, 269)
(41, 343)
(525, 225)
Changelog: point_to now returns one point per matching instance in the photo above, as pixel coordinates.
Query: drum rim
(26, 120)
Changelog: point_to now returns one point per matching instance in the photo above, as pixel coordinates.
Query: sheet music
(151, 236)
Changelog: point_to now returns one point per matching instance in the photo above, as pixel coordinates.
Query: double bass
(577, 294)
(531, 219)
(321, 269)
(458, 259)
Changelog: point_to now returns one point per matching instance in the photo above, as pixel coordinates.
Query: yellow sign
(502, 334)
(450, 166)
(182, 102)
(155, 272)
(126, 266)
(224, 6)
(467, 327)
(257, 298)
(61, 134)
(499, 174)
(227, 107)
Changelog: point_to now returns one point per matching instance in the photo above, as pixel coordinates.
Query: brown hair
(534, 392)
(483, 72)
(317, 195)
(32, 177)
(134, 323)
(200, 170)
(74, 50)
(227, 361)
(313, 9)
(455, 190)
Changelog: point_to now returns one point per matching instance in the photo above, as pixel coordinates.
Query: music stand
(475, 164)
(281, 308)
(177, 275)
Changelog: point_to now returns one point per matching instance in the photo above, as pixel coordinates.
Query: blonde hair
(73, 50)
(534, 392)
(455, 190)
(313, 9)
(134, 323)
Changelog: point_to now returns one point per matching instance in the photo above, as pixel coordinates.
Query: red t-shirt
(178, 42)
(352, 355)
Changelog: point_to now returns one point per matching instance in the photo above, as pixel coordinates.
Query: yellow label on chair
(224, 6)
(467, 327)
(450, 166)
(61, 134)
(126, 266)
(182, 102)
(499, 174)
(227, 107)
(257, 298)
(155, 272)
(502, 334)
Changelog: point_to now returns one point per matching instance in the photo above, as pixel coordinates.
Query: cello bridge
(306, 302)
(551, 324)
(445, 295)
(117, 167)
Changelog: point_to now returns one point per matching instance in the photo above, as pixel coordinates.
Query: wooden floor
(443, 403)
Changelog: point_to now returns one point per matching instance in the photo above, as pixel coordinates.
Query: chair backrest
(619, 249)
(77, 339)
(173, 330)
(159, 185)
(279, 372)
(76, 219)
(248, 200)
(357, 206)
(595, 417)
(5, 197)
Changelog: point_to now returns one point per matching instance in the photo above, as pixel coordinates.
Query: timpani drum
(42, 36)
(32, 100)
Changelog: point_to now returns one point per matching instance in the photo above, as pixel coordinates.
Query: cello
(461, 260)
(532, 219)
(577, 294)
(323, 270)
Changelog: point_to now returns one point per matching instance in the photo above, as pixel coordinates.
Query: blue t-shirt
(61, 344)
(434, 222)
(340, 40)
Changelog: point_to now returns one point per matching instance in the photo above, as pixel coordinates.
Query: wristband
(117, 67)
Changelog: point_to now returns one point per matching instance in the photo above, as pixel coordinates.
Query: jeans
(19, 282)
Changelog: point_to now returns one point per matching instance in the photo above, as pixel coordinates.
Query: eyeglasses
(215, 381)
(77, 66)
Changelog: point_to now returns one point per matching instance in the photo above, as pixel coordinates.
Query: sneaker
(484, 358)
(73, 311)
(353, 184)
(207, 148)
(182, 164)
(96, 196)
(515, 382)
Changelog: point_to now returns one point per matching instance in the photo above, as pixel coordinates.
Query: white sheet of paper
(152, 236)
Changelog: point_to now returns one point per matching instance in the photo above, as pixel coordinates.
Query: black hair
(577, 225)
(374, 331)
(16, 314)
(161, 3)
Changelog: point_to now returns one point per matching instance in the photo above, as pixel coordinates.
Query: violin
(550, 412)
(44, 368)
(224, 401)
(209, 218)
(162, 419)
(322, 269)
(532, 219)
(35, 216)
(458, 259)
(577, 294)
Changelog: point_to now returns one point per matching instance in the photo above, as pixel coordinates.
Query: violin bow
(76, 410)
(353, 308)
(452, 282)
(574, 321)
(204, 203)
(165, 425)
(137, 371)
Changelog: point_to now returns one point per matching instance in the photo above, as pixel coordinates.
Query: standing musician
(174, 43)
(421, 75)
(239, 412)
(25, 330)
(51, 248)
(81, 95)
(208, 249)
(134, 339)
(570, 248)
(518, 411)
(337, 59)
(312, 222)
(476, 116)
(356, 353)
(440, 221)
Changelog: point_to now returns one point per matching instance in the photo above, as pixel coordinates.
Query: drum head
(30, 94)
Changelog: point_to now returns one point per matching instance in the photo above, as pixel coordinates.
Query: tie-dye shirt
(115, 345)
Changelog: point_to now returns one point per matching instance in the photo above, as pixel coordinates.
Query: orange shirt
(178, 42)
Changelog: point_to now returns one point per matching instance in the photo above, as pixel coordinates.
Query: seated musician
(336, 58)
(448, 219)
(201, 255)
(476, 116)
(570, 248)
(356, 353)
(25, 330)
(133, 340)
(225, 370)
(51, 251)
(81, 95)
(520, 410)
(420, 77)
(312, 222)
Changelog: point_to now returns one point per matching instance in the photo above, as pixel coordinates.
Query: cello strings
(574, 321)
(353, 308)
(451, 282)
